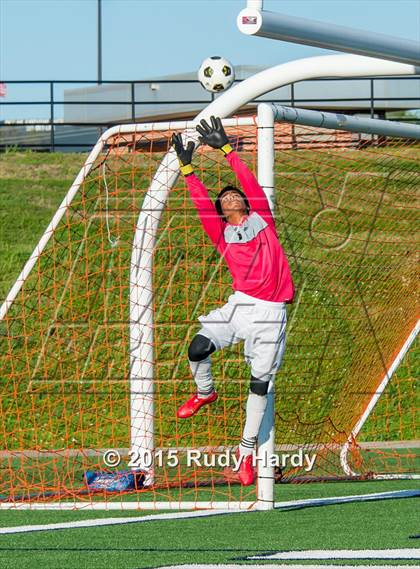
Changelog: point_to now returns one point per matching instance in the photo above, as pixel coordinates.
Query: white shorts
(261, 323)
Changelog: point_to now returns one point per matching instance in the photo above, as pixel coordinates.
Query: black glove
(214, 135)
(184, 154)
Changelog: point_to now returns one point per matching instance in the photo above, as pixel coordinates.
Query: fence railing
(58, 117)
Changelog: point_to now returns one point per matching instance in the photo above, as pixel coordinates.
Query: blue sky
(56, 39)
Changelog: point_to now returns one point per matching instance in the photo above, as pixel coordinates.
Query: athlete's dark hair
(230, 189)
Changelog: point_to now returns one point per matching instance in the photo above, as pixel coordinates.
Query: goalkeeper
(241, 227)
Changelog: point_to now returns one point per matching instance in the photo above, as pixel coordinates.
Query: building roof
(182, 96)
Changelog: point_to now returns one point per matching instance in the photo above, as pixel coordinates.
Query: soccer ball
(216, 74)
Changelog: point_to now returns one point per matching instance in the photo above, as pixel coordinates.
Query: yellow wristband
(187, 169)
(226, 149)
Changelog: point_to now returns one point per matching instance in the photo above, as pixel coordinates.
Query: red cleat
(194, 404)
(246, 470)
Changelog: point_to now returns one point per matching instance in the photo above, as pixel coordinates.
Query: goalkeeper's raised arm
(214, 135)
(205, 207)
(239, 223)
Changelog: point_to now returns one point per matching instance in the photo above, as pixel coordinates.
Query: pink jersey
(252, 250)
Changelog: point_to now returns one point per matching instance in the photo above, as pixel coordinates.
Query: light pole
(99, 30)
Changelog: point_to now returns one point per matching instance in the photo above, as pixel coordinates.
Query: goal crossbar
(141, 289)
(119, 130)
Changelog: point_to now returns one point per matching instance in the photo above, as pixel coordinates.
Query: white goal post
(141, 295)
(224, 106)
(141, 285)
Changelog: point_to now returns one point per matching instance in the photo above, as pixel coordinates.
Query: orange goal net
(345, 211)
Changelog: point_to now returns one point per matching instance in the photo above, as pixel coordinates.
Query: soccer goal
(95, 331)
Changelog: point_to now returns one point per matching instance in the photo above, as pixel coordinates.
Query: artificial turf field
(224, 539)
(41, 180)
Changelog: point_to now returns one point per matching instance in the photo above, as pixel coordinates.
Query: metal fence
(60, 117)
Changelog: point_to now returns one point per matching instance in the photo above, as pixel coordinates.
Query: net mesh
(347, 206)
(345, 213)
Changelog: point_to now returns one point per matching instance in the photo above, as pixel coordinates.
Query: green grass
(330, 350)
(31, 187)
(224, 539)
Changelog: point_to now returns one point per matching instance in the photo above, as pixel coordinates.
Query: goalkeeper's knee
(200, 348)
(259, 385)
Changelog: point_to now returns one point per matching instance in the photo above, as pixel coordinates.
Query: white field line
(114, 521)
(348, 499)
(342, 554)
